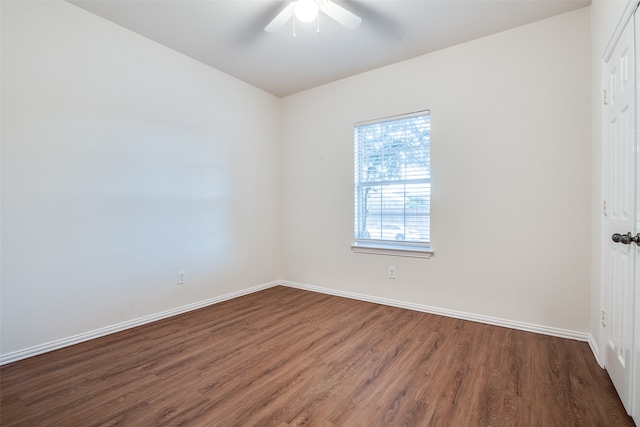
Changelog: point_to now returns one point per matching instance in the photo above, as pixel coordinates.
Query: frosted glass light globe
(306, 10)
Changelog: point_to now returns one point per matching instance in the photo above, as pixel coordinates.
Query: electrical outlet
(391, 273)
(182, 277)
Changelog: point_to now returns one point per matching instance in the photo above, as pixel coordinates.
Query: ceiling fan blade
(278, 22)
(340, 14)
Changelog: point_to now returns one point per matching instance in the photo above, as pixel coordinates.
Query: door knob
(626, 239)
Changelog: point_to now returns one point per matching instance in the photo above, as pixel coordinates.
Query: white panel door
(620, 125)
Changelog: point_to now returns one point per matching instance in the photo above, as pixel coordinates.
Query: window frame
(419, 249)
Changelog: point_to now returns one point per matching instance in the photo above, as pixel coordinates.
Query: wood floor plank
(285, 357)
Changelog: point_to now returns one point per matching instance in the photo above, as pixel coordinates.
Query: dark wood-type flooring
(286, 357)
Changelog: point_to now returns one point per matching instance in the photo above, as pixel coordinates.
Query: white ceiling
(228, 34)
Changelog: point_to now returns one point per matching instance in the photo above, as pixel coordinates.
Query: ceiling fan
(307, 11)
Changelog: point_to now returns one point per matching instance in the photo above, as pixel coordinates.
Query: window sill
(405, 251)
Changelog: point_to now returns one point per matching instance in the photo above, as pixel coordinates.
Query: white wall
(605, 15)
(118, 170)
(124, 162)
(511, 177)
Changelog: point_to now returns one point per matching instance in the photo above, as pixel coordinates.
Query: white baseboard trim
(596, 351)
(495, 321)
(97, 333)
(108, 330)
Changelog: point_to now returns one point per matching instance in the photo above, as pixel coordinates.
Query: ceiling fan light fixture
(306, 10)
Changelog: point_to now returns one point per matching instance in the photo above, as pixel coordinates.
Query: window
(393, 185)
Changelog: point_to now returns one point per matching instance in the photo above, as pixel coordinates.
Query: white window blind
(393, 182)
